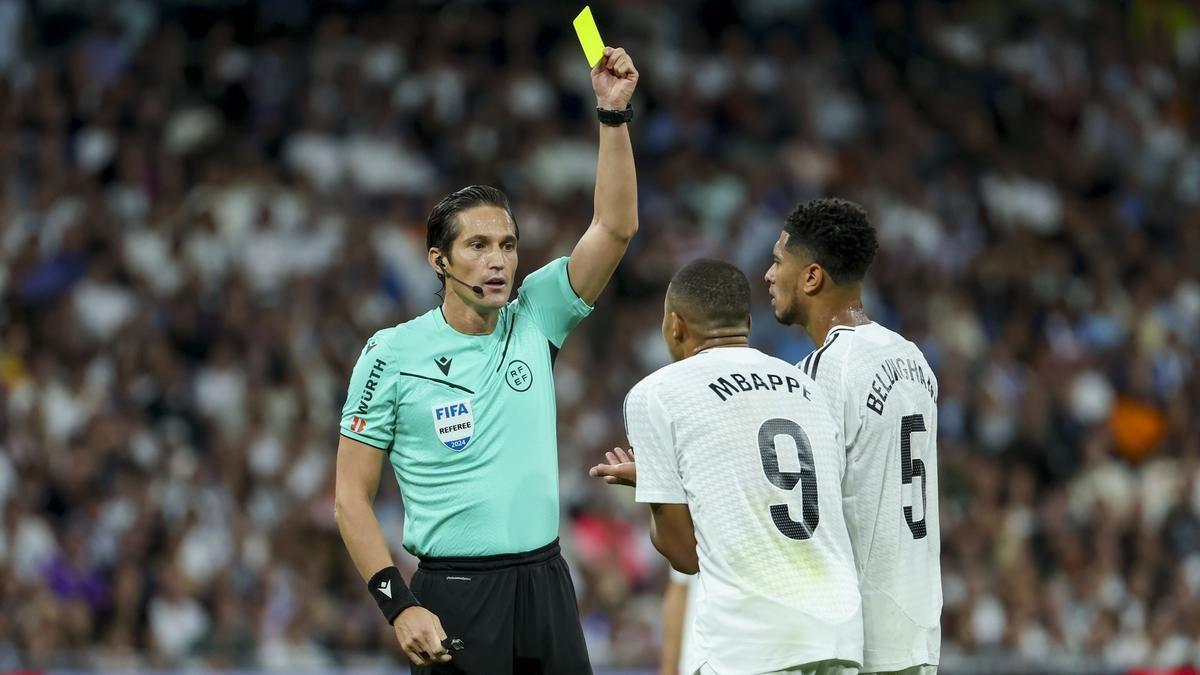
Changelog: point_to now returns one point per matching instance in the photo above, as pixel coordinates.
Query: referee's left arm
(359, 467)
(418, 630)
(615, 220)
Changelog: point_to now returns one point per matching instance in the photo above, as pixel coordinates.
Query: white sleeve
(648, 427)
(681, 578)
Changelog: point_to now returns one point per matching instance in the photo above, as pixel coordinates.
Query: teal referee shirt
(469, 422)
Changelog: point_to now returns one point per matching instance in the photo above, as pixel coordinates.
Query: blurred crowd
(207, 207)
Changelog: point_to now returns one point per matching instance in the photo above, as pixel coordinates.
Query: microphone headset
(442, 266)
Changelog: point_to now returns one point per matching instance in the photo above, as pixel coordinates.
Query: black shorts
(516, 613)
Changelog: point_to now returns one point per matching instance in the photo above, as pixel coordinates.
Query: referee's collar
(442, 322)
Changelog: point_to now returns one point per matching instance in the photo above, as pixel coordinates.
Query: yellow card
(589, 36)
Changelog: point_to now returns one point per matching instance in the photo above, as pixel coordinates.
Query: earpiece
(478, 290)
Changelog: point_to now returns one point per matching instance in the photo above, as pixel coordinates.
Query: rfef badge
(455, 423)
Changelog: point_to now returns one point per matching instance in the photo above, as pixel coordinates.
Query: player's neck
(843, 312)
(466, 319)
(719, 342)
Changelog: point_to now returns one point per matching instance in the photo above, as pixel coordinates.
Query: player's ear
(678, 327)
(813, 280)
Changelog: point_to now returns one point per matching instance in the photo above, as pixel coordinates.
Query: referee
(460, 401)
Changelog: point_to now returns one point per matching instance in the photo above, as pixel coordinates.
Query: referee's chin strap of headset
(442, 266)
(391, 593)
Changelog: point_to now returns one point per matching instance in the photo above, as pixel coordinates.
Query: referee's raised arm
(615, 221)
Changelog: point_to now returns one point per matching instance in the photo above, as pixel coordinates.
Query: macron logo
(386, 588)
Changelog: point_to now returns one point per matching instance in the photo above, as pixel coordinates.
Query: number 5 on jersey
(910, 468)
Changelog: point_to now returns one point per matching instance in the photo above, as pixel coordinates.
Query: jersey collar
(843, 328)
(440, 318)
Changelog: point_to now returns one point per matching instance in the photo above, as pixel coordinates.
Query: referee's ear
(436, 260)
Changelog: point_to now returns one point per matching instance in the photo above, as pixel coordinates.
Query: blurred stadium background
(208, 206)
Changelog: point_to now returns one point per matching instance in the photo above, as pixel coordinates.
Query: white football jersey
(885, 394)
(749, 444)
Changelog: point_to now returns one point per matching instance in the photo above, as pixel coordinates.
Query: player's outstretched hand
(614, 79)
(420, 634)
(620, 470)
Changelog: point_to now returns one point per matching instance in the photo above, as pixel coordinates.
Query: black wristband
(615, 118)
(391, 593)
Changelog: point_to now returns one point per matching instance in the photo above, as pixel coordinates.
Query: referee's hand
(614, 79)
(420, 635)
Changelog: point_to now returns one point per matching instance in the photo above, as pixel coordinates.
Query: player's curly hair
(713, 291)
(442, 226)
(837, 234)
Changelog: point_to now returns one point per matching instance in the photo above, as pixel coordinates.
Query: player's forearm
(679, 550)
(616, 184)
(362, 535)
(681, 561)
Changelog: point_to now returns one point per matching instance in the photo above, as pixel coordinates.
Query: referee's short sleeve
(648, 427)
(369, 415)
(546, 296)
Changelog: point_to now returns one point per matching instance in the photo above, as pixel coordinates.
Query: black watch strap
(614, 118)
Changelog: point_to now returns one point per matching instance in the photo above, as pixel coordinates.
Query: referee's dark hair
(442, 226)
(711, 292)
(837, 234)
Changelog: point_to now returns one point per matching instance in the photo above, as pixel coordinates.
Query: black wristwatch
(614, 118)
